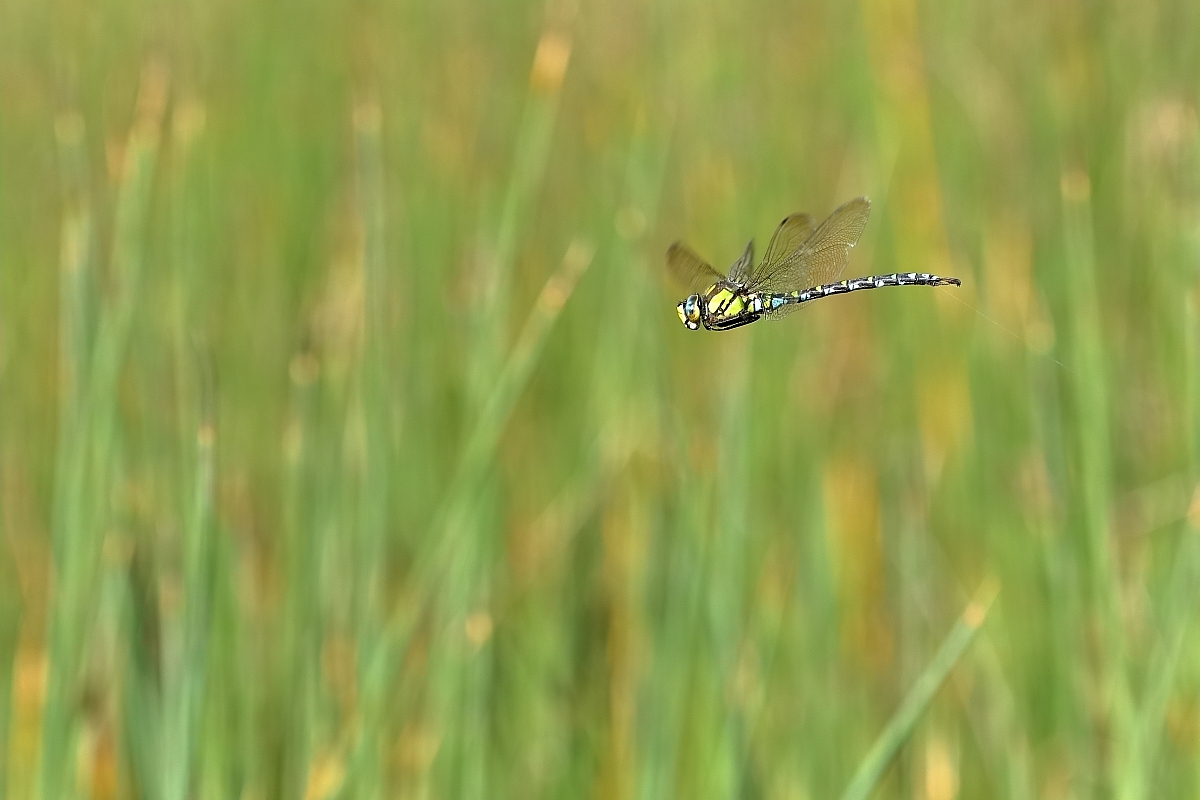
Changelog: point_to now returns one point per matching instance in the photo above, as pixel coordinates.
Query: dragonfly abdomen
(766, 303)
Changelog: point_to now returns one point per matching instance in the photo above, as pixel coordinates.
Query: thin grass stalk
(518, 367)
(10, 616)
(1095, 468)
(183, 701)
(623, 412)
(462, 679)
(184, 637)
(996, 725)
(727, 570)
(131, 590)
(1191, 373)
(465, 563)
(300, 636)
(1179, 600)
(80, 503)
(436, 564)
(902, 723)
(366, 780)
(373, 383)
(75, 266)
(1137, 780)
(75, 282)
(75, 345)
(484, 438)
(1191, 332)
(224, 746)
(1061, 563)
(529, 166)
(677, 631)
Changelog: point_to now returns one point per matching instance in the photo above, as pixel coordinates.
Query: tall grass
(80, 508)
(350, 446)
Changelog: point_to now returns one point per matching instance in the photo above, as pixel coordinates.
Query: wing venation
(820, 255)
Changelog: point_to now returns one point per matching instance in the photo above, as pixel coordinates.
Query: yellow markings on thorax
(724, 303)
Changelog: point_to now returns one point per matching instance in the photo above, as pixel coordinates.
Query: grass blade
(1092, 432)
(901, 725)
(485, 435)
(529, 166)
(465, 523)
(366, 779)
(1135, 781)
(185, 631)
(436, 562)
(81, 495)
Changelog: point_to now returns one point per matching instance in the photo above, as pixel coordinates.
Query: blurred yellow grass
(851, 501)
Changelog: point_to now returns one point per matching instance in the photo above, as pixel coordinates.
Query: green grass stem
(905, 719)
(83, 493)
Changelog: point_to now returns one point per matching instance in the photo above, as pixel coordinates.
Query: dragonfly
(801, 264)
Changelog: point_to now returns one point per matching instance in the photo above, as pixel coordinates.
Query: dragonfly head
(689, 311)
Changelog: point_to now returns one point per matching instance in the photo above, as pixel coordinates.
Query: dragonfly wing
(819, 258)
(740, 272)
(792, 232)
(692, 271)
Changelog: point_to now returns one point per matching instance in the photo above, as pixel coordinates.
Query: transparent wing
(819, 258)
(791, 233)
(692, 271)
(740, 272)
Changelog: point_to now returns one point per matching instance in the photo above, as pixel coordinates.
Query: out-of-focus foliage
(350, 445)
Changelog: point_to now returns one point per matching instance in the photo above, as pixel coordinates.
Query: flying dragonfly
(801, 264)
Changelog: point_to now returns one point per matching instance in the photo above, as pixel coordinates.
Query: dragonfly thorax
(721, 306)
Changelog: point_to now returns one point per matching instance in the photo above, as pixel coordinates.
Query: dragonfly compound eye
(689, 312)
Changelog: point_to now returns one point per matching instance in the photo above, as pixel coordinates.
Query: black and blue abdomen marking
(766, 303)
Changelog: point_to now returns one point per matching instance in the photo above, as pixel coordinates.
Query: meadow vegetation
(350, 446)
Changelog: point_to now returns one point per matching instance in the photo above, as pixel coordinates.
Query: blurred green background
(350, 446)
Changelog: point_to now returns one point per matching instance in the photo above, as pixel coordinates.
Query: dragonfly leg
(731, 323)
